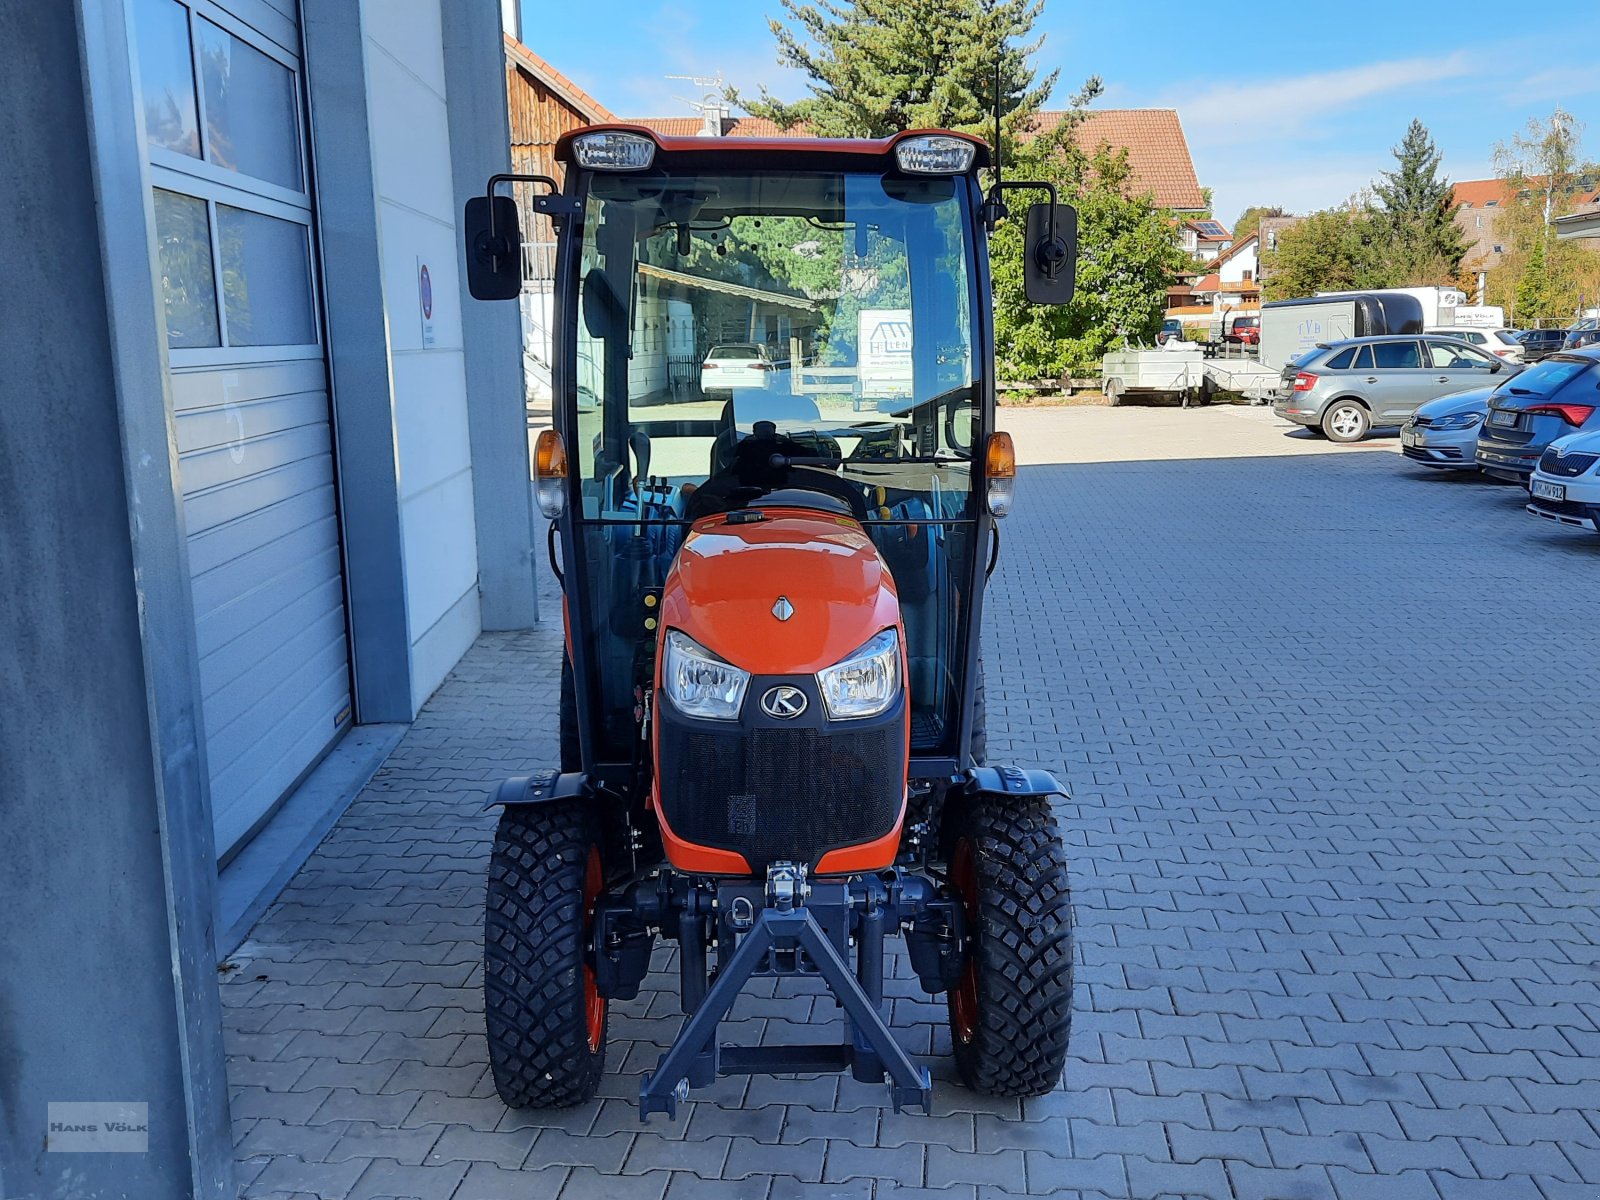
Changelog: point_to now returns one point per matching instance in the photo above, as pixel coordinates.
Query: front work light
(934, 154)
(866, 683)
(550, 473)
(1000, 466)
(699, 683)
(614, 151)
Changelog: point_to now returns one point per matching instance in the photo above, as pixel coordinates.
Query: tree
(1541, 277)
(1335, 250)
(1126, 260)
(877, 67)
(1423, 244)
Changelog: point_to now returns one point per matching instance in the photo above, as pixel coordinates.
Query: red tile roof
(553, 79)
(731, 127)
(1158, 153)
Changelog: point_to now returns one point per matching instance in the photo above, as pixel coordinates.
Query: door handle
(1444, 379)
(1372, 379)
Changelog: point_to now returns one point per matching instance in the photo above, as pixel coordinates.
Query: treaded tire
(571, 755)
(1011, 1016)
(537, 991)
(1347, 432)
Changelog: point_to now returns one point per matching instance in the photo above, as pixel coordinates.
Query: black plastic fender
(1012, 781)
(539, 788)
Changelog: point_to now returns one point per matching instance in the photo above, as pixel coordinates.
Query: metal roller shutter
(234, 226)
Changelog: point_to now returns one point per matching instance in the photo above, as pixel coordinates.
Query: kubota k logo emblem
(783, 702)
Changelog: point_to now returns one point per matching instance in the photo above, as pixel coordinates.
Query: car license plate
(1502, 417)
(1408, 437)
(1549, 491)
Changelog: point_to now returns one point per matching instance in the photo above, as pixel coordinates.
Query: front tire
(545, 1019)
(1346, 421)
(1011, 1014)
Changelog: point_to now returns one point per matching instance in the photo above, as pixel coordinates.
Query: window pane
(1397, 354)
(1341, 361)
(266, 279)
(250, 112)
(166, 76)
(188, 284)
(1364, 359)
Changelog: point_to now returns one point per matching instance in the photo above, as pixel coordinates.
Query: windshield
(838, 307)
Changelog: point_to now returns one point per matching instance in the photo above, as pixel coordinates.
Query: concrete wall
(416, 219)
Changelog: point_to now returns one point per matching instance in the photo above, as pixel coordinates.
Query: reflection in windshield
(833, 311)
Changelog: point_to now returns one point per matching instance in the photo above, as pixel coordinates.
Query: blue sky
(1281, 104)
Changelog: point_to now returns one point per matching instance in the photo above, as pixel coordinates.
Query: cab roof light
(613, 151)
(934, 154)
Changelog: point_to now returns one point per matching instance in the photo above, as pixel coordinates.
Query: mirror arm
(1051, 253)
(551, 203)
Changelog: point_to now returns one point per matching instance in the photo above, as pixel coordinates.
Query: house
(1233, 278)
(1202, 238)
(1481, 201)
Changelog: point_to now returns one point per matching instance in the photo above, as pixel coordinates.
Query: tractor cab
(773, 477)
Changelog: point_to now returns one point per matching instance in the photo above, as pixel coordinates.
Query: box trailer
(1289, 328)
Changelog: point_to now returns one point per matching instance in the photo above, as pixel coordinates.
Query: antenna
(999, 54)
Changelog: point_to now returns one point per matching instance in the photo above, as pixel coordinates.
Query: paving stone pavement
(1328, 727)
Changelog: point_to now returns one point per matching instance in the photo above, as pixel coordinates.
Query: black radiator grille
(773, 794)
(1567, 466)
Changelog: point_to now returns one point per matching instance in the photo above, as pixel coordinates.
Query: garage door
(225, 134)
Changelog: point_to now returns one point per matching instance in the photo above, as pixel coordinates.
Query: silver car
(1443, 433)
(1343, 389)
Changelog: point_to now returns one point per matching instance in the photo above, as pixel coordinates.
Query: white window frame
(199, 179)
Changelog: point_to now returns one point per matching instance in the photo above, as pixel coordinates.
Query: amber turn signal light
(1000, 468)
(550, 473)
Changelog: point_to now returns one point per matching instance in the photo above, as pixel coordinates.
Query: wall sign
(425, 300)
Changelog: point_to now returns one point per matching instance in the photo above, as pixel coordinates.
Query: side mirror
(1050, 256)
(494, 248)
(603, 311)
(1496, 367)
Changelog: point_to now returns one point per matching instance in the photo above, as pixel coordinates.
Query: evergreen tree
(1424, 244)
(877, 67)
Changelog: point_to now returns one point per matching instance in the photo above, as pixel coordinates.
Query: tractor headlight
(613, 150)
(866, 683)
(699, 683)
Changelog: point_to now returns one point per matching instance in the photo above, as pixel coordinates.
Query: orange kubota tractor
(772, 710)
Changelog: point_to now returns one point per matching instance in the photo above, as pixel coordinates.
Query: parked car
(1540, 343)
(1583, 333)
(1170, 328)
(1342, 390)
(1244, 331)
(1443, 433)
(1566, 484)
(1550, 399)
(737, 365)
(1497, 342)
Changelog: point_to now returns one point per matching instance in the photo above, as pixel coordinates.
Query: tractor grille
(1566, 466)
(773, 794)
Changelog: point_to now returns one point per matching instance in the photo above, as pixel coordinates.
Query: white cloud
(1293, 106)
(1554, 85)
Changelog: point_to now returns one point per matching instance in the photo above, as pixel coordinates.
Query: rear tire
(1011, 1014)
(545, 1020)
(1346, 421)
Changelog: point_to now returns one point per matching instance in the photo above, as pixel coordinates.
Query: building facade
(270, 482)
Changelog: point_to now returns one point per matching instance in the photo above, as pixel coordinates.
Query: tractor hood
(731, 584)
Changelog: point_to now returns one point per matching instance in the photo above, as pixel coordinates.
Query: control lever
(780, 462)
